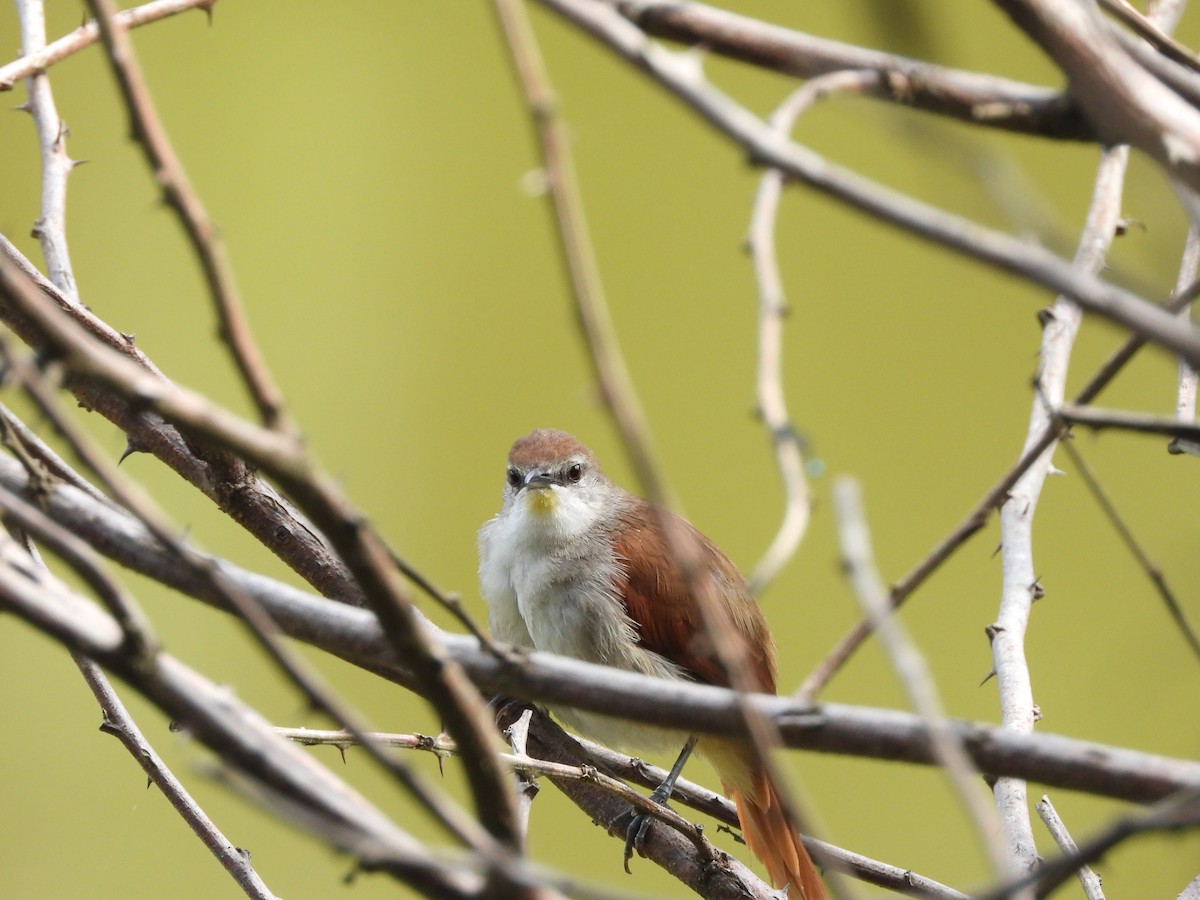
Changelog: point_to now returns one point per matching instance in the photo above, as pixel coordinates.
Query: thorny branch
(1138, 86)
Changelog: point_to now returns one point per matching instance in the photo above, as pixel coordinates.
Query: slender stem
(120, 724)
(180, 196)
(88, 33)
(772, 311)
(1088, 879)
(51, 228)
(578, 254)
(913, 672)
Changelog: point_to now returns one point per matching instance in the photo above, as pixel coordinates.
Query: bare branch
(355, 635)
(1179, 811)
(234, 731)
(575, 244)
(1054, 824)
(180, 196)
(1153, 571)
(52, 143)
(1185, 404)
(118, 723)
(221, 476)
(87, 34)
(1148, 29)
(979, 99)
(855, 541)
(681, 75)
(772, 310)
(440, 679)
(1020, 580)
(1124, 102)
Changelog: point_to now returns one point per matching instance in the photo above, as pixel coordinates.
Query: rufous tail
(775, 842)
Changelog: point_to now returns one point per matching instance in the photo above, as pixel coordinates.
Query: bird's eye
(514, 477)
(575, 473)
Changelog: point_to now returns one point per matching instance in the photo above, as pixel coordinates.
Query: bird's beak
(536, 479)
(541, 500)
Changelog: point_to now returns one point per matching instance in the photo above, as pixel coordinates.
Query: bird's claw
(639, 825)
(635, 836)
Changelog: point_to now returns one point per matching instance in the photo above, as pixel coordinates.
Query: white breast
(549, 586)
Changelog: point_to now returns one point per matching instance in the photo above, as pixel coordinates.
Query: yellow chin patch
(541, 501)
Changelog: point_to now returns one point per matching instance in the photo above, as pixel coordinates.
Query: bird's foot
(639, 823)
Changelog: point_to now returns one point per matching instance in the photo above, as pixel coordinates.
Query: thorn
(342, 751)
(23, 107)
(1124, 224)
(1054, 470)
(1046, 316)
(130, 448)
(988, 677)
(736, 835)
(1036, 591)
(1037, 713)
(73, 164)
(149, 783)
(991, 631)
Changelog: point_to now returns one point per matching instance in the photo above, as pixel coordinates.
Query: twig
(615, 384)
(1148, 30)
(1180, 810)
(355, 636)
(135, 626)
(627, 768)
(87, 34)
(772, 310)
(518, 761)
(1058, 830)
(946, 744)
(440, 680)
(977, 517)
(579, 258)
(262, 627)
(17, 433)
(56, 164)
(527, 787)
(1152, 570)
(235, 732)
(678, 74)
(221, 476)
(970, 96)
(1125, 420)
(179, 194)
(118, 723)
(1020, 581)
(1185, 403)
(1122, 99)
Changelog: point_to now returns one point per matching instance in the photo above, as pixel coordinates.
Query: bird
(576, 565)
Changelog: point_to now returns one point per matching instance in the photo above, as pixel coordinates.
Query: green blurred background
(368, 164)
